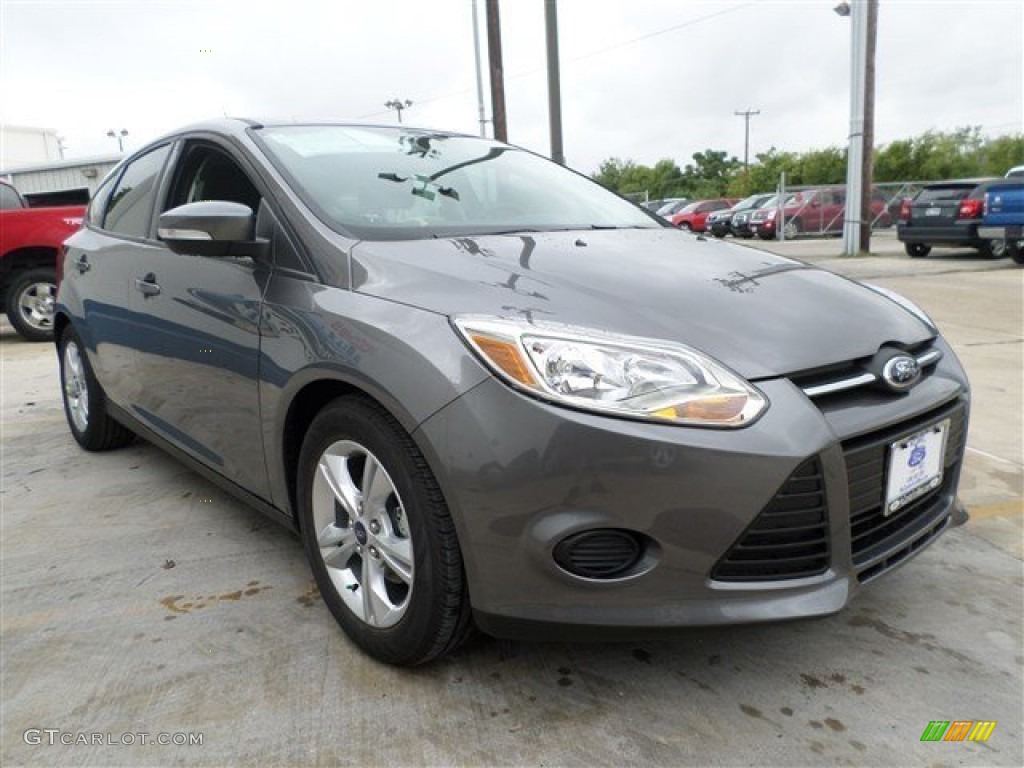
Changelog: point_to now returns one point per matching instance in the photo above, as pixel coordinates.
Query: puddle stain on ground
(178, 604)
(922, 640)
(813, 682)
(310, 597)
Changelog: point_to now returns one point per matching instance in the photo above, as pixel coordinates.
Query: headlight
(906, 303)
(621, 375)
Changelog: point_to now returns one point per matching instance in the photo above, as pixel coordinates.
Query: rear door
(198, 362)
(98, 268)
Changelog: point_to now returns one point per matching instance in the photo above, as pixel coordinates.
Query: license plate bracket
(915, 466)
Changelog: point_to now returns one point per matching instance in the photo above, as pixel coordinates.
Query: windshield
(390, 183)
(748, 202)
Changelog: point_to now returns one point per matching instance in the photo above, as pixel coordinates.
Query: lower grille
(788, 539)
(880, 540)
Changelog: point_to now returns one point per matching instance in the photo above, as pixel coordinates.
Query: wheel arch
(308, 401)
(28, 257)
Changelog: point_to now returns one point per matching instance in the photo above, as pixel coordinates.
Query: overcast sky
(641, 79)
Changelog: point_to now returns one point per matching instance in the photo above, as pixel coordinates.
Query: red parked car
(816, 211)
(694, 216)
(30, 239)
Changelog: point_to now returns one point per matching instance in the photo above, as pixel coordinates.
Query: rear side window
(947, 192)
(131, 204)
(9, 198)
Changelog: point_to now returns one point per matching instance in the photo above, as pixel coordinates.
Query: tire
(1015, 250)
(992, 249)
(917, 250)
(388, 566)
(30, 300)
(686, 226)
(792, 228)
(85, 404)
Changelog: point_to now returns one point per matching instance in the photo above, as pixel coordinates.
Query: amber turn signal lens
(506, 356)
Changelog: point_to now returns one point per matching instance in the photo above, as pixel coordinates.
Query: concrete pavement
(137, 598)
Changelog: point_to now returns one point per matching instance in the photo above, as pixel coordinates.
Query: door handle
(83, 265)
(147, 285)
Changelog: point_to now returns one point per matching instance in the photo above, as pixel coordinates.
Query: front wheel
(379, 537)
(85, 403)
(792, 228)
(30, 301)
(917, 250)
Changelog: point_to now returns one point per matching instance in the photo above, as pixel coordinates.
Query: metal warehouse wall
(57, 177)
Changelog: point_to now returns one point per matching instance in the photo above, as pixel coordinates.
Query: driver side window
(207, 173)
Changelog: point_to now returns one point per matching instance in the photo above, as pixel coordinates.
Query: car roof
(238, 126)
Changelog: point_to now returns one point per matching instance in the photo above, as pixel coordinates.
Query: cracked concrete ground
(137, 598)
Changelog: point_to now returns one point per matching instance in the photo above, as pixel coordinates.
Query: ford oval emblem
(901, 372)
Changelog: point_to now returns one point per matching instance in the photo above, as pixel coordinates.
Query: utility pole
(868, 156)
(746, 135)
(554, 81)
(398, 105)
(497, 72)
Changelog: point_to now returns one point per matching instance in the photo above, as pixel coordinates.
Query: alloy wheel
(362, 534)
(76, 390)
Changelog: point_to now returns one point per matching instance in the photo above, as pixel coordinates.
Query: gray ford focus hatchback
(486, 391)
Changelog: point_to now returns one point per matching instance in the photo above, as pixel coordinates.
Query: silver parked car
(485, 390)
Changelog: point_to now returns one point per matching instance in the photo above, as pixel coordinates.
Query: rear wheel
(379, 536)
(85, 404)
(992, 249)
(30, 300)
(917, 250)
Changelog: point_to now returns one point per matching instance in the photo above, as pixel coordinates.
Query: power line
(590, 55)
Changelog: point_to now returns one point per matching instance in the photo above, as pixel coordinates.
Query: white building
(21, 145)
(30, 159)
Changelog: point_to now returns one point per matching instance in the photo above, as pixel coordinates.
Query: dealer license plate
(915, 466)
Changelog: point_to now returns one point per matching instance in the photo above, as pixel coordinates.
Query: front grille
(788, 539)
(877, 539)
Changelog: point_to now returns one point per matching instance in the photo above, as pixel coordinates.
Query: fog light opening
(602, 553)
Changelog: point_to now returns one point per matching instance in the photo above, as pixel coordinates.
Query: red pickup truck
(30, 239)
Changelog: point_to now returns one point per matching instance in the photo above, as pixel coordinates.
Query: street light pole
(119, 135)
(398, 105)
(868, 151)
(479, 73)
(554, 81)
(857, 11)
(746, 135)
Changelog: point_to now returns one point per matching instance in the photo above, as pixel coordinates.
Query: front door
(197, 365)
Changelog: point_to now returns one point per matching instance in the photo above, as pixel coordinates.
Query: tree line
(932, 156)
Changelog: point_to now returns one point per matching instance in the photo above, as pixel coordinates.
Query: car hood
(760, 314)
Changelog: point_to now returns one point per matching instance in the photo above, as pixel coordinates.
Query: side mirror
(211, 228)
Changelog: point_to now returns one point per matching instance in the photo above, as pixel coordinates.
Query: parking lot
(139, 599)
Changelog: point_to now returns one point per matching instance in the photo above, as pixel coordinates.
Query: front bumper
(521, 476)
